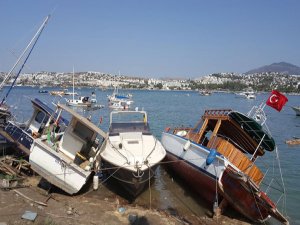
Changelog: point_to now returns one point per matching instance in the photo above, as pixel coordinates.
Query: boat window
(198, 127)
(39, 117)
(83, 132)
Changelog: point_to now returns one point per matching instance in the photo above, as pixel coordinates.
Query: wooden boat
(68, 159)
(297, 110)
(294, 141)
(59, 93)
(218, 157)
(131, 153)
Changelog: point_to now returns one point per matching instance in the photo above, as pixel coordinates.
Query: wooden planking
(237, 158)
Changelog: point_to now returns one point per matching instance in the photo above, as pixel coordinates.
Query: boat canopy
(83, 120)
(239, 128)
(254, 129)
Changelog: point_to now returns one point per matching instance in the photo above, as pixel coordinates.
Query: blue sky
(154, 38)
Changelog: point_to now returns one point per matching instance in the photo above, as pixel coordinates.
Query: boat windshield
(116, 128)
(128, 121)
(128, 117)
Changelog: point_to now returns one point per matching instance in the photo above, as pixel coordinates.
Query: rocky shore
(59, 208)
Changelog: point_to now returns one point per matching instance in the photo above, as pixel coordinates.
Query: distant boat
(59, 93)
(119, 101)
(297, 110)
(130, 154)
(118, 105)
(81, 101)
(205, 92)
(294, 141)
(43, 91)
(249, 94)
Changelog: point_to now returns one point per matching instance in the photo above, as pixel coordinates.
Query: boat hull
(79, 104)
(200, 182)
(16, 134)
(131, 181)
(190, 165)
(238, 190)
(248, 200)
(56, 168)
(297, 110)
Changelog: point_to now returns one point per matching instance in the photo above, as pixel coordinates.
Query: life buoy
(167, 129)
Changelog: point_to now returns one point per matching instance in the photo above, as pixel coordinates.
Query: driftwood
(30, 199)
(7, 169)
(13, 167)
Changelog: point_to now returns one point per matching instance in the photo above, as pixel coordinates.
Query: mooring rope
(256, 203)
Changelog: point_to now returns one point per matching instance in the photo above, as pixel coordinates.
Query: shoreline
(85, 209)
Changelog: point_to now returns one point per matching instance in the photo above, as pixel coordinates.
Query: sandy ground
(84, 209)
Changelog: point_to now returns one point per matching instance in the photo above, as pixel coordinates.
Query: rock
(132, 218)
(121, 210)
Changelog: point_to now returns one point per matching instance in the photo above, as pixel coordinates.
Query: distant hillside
(281, 67)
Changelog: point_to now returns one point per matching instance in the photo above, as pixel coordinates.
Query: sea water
(184, 108)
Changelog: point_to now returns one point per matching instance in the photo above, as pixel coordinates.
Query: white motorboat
(131, 153)
(67, 160)
(83, 101)
(118, 105)
(249, 94)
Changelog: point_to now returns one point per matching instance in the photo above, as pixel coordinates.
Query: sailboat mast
(73, 85)
(25, 50)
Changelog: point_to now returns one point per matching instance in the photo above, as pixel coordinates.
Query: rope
(283, 185)
(256, 203)
(150, 197)
(216, 200)
(101, 183)
(113, 147)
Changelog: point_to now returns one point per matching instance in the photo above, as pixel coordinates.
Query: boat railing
(258, 114)
(216, 113)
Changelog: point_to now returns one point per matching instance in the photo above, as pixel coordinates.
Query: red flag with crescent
(276, 100)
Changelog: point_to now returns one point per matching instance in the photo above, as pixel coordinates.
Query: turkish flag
(276, 100)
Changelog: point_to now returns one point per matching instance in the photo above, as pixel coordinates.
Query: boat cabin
(79, 137)
(41, 118)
